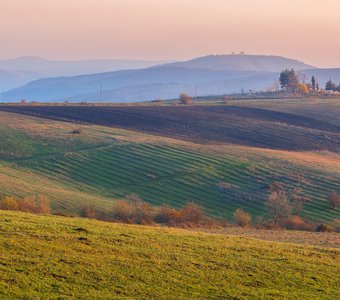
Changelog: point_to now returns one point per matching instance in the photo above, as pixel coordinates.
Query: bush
(123, 211)
(43, 205)
(242, 218)
(294, 223)
(143, 213)
(9, 203)
(192, 214)
(324, 228)
(77, 131)
(167, 215)
(28, 204)
(89, 211)
(185, 98)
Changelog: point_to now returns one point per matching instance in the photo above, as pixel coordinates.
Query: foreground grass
(49, 257)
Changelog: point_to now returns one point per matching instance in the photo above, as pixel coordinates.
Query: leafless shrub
(43, 205)
(89, 211)
(9, 203)
(192, 214)
(185, 98)
(242, 218)
(324, 228)
(167, 215)
(77, 131)
(297, 223)
(123, 211)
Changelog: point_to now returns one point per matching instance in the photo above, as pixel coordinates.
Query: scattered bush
(167, 215)
(77, 131)
(123, 211)
(89, 211)
(192, 214)
(242, 218)
(185, 98)
(9, 203)
(324, 228)
(33, 204)
(297, 223)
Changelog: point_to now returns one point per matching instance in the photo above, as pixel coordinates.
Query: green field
(56, 257)
(103, 164)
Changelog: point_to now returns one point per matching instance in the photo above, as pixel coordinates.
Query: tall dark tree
(313, 82)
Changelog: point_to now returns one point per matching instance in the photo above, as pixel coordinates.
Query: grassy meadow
(103, 164)
(57, 257)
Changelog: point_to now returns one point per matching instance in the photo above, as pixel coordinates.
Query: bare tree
(334, 199)
(279, 205)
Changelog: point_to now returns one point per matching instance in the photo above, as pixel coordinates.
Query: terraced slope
(104, 164)
(205, 124)
(53, 257)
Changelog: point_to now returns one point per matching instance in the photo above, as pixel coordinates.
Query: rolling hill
(211, 75)
(243, 62)
(57, 257)
(19, 71)
(42, 156)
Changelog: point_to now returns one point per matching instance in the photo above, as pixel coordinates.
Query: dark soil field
(204, 124)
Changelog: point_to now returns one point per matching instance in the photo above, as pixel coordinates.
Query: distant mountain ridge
(243, 62)
(21, 70)
(210, 75)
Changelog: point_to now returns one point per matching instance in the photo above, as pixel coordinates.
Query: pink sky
(307, 30)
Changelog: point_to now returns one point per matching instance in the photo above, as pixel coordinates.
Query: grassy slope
(105, 163)
(48, 256)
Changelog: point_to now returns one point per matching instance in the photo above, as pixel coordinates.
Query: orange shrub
(9, 203)
(242, 218)
(122, 211)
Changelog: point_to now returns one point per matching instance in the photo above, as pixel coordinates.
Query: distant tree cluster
(331, 86)
(293, 82)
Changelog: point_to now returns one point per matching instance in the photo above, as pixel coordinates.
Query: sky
(307, 30)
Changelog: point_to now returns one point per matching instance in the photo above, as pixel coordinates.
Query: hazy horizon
(170, 30)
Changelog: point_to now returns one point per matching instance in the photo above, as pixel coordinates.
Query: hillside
(212, 75)
(243, 62)
(53, 257)
(204, 124)
(104, 163)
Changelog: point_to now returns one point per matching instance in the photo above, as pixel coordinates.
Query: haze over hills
(242, 62)
(211, 75)
(21, 70)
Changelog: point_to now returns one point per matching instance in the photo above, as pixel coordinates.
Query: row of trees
(292, 82)
(331, 86)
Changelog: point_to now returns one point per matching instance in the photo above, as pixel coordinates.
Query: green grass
(104, 164)
(51, 257)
